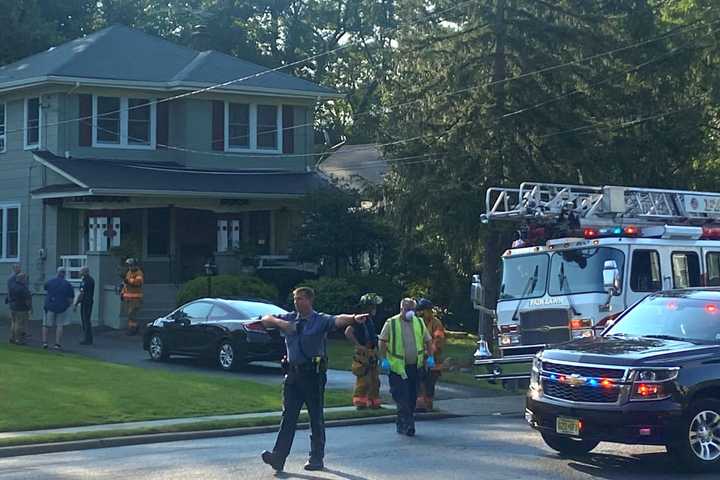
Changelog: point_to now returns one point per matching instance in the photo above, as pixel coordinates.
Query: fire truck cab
(616, 245)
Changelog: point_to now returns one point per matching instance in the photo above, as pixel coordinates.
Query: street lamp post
(209, 272)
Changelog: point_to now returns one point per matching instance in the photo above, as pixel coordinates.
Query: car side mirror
(611, 277)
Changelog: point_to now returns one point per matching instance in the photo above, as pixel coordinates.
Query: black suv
(652, 377)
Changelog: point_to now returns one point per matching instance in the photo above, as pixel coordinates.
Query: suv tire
(698, 443)
(568, 445)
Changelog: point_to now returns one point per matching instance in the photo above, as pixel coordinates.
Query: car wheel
(568, 445)
(156, 348)
(698, 446)
(227, 356)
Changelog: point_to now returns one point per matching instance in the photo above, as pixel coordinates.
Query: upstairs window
(33, 120)
(251, 127)
(2, 127)
(124, 122)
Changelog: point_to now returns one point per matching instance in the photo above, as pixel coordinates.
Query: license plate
(567, 426)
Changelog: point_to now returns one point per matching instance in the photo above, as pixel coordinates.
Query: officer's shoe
(410, 432)
(312, 465)
(270, 459)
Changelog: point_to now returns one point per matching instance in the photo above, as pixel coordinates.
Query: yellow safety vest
(396, 347)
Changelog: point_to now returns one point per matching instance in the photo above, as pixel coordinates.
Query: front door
(189, 337)
(196, 239)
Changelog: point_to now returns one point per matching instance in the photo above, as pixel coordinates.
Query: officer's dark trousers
(85, 312)
(303, 388)
(404, 392)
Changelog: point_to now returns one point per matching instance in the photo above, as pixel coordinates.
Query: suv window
(713, 268)
(645, 273)
(685, 269)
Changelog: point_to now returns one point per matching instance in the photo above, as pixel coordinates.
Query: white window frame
(3, 136)
(253, 129)
(124, 115)
(4, 207)
(37, 145)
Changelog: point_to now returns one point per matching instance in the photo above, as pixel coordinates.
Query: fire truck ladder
(600, 206)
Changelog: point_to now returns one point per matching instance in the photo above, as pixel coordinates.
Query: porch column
(107, 306)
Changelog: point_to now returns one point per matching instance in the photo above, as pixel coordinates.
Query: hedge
(227, 286)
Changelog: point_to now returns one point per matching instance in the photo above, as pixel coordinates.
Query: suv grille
(581, 393)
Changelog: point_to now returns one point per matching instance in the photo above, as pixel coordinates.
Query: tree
(339, 231)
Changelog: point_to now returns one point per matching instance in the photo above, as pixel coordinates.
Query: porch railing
(72, 265)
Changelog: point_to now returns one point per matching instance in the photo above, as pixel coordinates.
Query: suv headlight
(653, 383)
(535, 372)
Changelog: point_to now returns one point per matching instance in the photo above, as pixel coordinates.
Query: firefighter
(429, 376)
(365, 360)
(132, 294)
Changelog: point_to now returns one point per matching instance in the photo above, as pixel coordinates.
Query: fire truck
(582, 255)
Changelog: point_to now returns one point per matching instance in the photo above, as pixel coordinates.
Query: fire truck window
(685, 269)
(645, 275)
(713, 269)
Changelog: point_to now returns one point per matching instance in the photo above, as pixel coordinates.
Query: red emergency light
(618, 231)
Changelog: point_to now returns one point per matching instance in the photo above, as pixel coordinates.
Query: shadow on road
(612, 467)
(336, 473)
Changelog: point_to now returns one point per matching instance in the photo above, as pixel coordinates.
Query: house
(124, 144)
(357, 166)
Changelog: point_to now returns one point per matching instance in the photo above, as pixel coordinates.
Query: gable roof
(126, 57)
(89, 176)
(356, 165)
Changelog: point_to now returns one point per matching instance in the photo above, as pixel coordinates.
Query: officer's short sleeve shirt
(310, 336)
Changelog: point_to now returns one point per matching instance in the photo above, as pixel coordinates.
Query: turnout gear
(365, 360)
(132, 294)
(429, 376)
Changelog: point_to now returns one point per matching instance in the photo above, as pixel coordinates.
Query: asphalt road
(479, 447)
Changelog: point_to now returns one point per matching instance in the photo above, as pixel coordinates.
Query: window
(2, 127)
(124, 122)
(9, 233)
(645, 275)
(253, 127)
(260, 231)
(239, 126)
(220, 314)
(32, 122)
(197, 312)
(524, 276)
(581, 271)
(158, 239)
(713, 269)
(685, 269)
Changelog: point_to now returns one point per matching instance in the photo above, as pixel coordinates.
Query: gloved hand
(385, 365)
(430, 362)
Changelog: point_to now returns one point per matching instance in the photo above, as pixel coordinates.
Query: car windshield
(581, 270)
(694, 318)
(256, 309)
(524, 276)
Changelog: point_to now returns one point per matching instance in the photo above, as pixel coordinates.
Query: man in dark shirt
(58, 298)
(305, 332)
(20, 307)
(85, 299)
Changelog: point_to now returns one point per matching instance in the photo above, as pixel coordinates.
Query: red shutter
(288, 120)
(218, 125)
(163, 124)
(85, 124)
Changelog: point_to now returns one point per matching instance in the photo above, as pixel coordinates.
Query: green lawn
(40, 389)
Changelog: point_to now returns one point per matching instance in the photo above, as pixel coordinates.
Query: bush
(285, 279)
(227, 286)
(332, 295)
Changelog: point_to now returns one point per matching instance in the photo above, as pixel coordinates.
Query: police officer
(305, 332)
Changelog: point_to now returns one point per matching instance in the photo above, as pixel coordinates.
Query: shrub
(227, 286)
(332, 295)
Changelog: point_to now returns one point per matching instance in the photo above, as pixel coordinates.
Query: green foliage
(333, 295)
(227, 286)
(337, 231)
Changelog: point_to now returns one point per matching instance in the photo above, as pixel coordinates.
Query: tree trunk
(493, 242)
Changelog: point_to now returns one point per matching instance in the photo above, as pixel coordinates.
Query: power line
(250, 77)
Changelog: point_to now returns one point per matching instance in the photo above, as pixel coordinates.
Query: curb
(109, 442)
